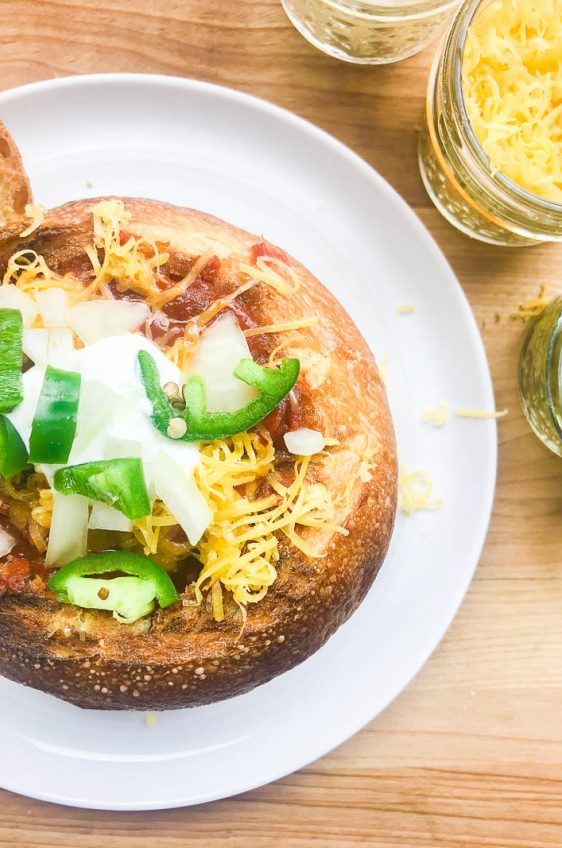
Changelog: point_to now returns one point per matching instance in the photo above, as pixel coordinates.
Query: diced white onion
(181, 496)
(36, 345)
(105, 517)
(13, 298)
(117, 447)
(54, 346)
(60, 347)
(52, 305)
(68, 535)
(98, 403)
(220, 349)
(7, 542)
(304, 442)
(98, 319)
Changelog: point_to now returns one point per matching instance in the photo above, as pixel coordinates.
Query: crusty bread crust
(15, 190)
(182, 657)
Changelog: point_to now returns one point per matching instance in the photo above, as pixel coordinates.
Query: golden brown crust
(182, 657)
(15, 191)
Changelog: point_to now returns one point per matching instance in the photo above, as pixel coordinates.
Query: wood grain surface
(471, 753)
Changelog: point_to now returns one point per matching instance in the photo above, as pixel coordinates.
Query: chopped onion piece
(119, 448)
(181, 496)
(98, 319)
(68, 535)
(220, 349)
(36, 345)
(7, 542)
(52, 305)
(105, 517)
(13, 298)
(60, 347)
(97, 404)
(304, 442)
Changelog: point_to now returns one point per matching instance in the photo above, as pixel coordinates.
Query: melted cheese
(512, 83)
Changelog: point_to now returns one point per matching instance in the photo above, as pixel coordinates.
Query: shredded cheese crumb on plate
(150, 719)
(437, 415)
(405, 308)
(415, 491)
(480, 413)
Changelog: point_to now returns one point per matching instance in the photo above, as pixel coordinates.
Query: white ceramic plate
(270, 172)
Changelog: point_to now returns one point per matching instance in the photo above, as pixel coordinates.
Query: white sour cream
(114, 412)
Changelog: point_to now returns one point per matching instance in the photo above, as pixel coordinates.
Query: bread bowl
(211, 643)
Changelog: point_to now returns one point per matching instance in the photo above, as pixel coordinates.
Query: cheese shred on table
(512, 83)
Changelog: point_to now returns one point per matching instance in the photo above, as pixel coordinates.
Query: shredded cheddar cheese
(36, 212)
(436, 416)
(255, 508)
(282, 326)
(150, 719)
(240, 548)
(480, 413)
(30, 273)
(415, 490)
(133, 262)
(405, 308)
(533, 307)
(512, 84)
(274, 273)
(43, 512)
(175, 291)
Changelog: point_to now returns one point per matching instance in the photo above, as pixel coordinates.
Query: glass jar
(540, 385)
(455, 169)
(370, 32)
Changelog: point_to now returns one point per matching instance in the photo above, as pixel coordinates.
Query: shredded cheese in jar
(512, 85)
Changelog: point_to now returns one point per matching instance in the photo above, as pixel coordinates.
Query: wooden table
(471, 753)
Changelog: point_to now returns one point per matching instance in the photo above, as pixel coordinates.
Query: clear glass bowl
(455, 169)
(367, 32)
(540, 385)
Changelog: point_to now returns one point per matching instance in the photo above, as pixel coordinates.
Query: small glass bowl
(370, 32)
(540, 376)
(456, 171)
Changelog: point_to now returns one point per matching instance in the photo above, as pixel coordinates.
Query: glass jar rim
(553, 367)
(398, 10)
(454, 51)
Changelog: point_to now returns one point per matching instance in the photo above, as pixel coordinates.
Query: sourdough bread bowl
(316, 525)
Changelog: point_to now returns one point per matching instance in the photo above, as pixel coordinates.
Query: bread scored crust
(15, 190)
(181, 656)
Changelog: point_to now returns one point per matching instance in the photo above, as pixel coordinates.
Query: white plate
(268, 171)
